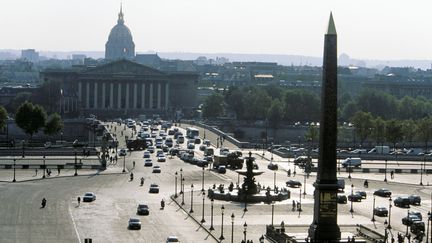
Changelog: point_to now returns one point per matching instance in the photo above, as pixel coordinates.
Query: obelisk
(324, 227)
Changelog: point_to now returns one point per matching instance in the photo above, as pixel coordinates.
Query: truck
(233, 160)
(136, 144)
(380, 150)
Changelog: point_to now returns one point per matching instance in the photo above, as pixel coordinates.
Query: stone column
(143, 96)
(151, 96)
(159, 98)
(127, 96)
(95, 95)
(111, 96)
(88, 95)
(135, 97)
(166, 95)
(324, 227)
(103, 96)
(119, 96)
(79, 91)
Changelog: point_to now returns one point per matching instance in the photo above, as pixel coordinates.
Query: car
(151, 149)
(159, 152)
(410, 219)
(171, 132)
(362, 194)
(301, 160)
(417, 227)
(148, 163)
(143, 209)
(172, 239)
(342, 199)
(206, 142)
(383, 192)
(89, 197)
(415, 199)
(202, 163)
(134, 223)
(272, 166)
(173, 151)
(165, 148)
(402, 202)
(146, 154)
(154, 188)
(355, 197)
(156, 169)
(208, 158)
(222, 169)
(293, 183)
(351, 162)
(159, 145)
(191, 146)
(161, 158)
(122, 152)
(380, 211)
(202, 147)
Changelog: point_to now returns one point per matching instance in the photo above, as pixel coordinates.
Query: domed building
(120, 44)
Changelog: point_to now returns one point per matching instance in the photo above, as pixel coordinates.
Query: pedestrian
(294, 173)
(289, 172)
(298, 206)
(36, 171)
(58, 171)
(392, 174)
(79, 200)
(133, 163)
(293, 205)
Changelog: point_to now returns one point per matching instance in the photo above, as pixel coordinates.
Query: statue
(249, 186)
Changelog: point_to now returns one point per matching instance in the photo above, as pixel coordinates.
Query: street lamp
(245, 231)
(385, 172)
(232, 228)
(23, 144)
(421, 171)
(222, 212)
(299, 208)
(274, 181)
(76, 172)
(211, 214)
(202, 186)
(427, 228)
(246, 193)
(182, 187)
(124, 163)
(406, 232)
(373, 210)
(304, 184)
(175, 194)
(272, 205)
(181, 180)
(352, 188)
(14, 180)
(203, 198)
(389, 216)
(44, 166)
(349, 170)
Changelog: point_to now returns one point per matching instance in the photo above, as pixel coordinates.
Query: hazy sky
(368, 29)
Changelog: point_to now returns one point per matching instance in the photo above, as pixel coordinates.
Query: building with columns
(124, 88)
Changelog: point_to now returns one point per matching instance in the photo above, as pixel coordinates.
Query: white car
(146, 154)
(161, 158)
(148, 163)
(89, 197)
(191, 146)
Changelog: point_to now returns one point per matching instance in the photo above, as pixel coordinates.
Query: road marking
(74, 225)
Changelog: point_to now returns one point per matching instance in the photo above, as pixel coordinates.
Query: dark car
(415, 199)
(362, 194)
(221, 169)
(417, 227)
(355, 197)
(302, 160)
(380, 211)
(410, 219)
(154, 188)
(402, 202)
(272, 166)
(134, 223)
(383, 192)
(293, 183)
(143, 209)
(342, 199)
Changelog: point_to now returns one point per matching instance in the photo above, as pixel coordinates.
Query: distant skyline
(385, 29)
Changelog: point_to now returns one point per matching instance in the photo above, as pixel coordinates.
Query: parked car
(272, 166)
(143, 209)
(134, 223)
(148, 163)
(403, 202)
(383, 192)
(156, 169)
(417, 227)
(409, 219)
(202, 163)
(293, 183)
(415, 199)
(380, 211)
(362, 194)
(342, 199)
(172, 239)
(302, 160)
(154, 188)
(222, 169)
(351, 162)
(89, 197)
(355, 197)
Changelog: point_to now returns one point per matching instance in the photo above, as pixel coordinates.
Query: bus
(192, 132)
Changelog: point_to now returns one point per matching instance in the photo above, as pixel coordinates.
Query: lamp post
(352, 188)
(202, 186)
(373, 210)
(274, 180)
(246, 193)
(421, 171)
(389, 216)
(385, 172)
(61, 137)
(406, 232)
(181, 180)
(124, 163)
(427, 227)
(349, 170)
(272, 218)
(203, 198)
(76, 171)
(43, 176)
(304, 185)
(232, 228)
(222, 213)
(14, 179)
(245, 231)
(211, 214)
(175, 185)
(299, 208)
(23, 144)
(182, 203)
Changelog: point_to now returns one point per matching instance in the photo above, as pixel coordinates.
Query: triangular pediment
(124, 67)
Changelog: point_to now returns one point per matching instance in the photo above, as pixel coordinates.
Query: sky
(367, 29)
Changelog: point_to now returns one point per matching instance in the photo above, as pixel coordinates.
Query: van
(180, 139)
(208, 151)
(380, 150)
(352, 162)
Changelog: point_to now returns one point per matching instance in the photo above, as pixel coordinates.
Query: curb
(60, 177)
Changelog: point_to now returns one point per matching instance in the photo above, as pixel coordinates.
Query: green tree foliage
(301, 106)
(213, 106)
(275, 114)
(3, 117)
(394, 131)
(363, 123)
(424, 130)
(312, 133)
(409, 128)
(377, 103)
(257, 102)
(30, 118)
(378, 130)
(54, 125)
(234, 98)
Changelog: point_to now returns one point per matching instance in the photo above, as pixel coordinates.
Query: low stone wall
(214, 194)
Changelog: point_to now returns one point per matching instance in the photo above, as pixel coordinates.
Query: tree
(234, 99)
(30, 118)
(409, 128)
(213, 106)
(394, 132)
(312, 133)
(3, 117)
(363, 123)
(275, 115)
(377, 103)
(424, 130)
(54, 125)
